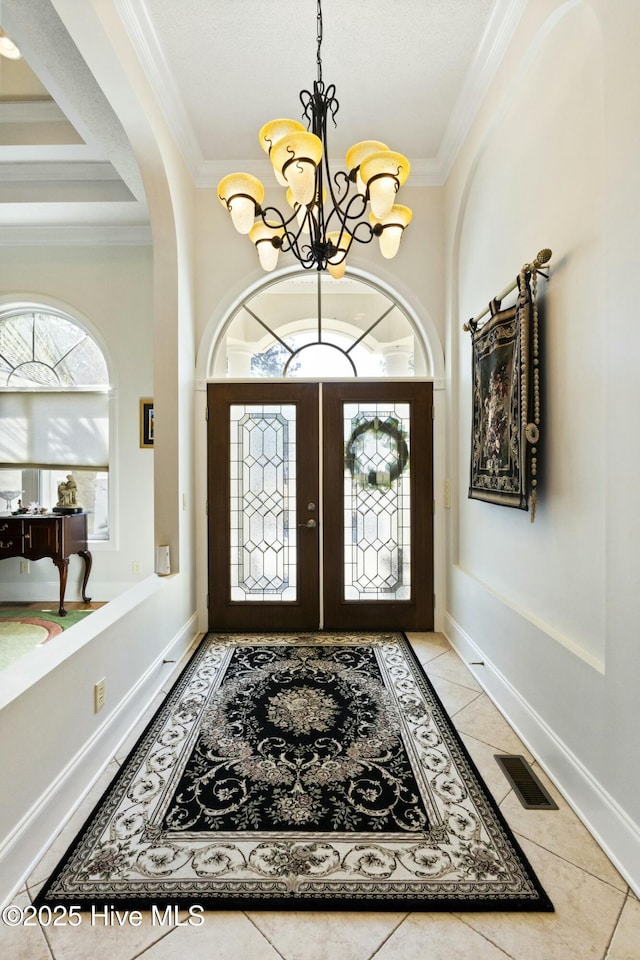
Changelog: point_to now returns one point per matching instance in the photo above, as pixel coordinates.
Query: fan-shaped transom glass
(42, 350)
(306, 326)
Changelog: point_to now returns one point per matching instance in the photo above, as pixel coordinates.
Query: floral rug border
(466, 858)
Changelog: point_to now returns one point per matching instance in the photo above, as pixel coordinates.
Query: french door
(320, 505)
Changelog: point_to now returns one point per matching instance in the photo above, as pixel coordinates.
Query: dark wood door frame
(414, 614)
(303, 614)
(224, 614)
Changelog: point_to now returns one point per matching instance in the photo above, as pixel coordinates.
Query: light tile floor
(597, 916)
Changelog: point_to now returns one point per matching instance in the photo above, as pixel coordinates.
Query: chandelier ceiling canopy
(326, 213)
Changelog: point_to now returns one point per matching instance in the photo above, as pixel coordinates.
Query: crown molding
(50, 153)
(503, 21)
(119, 214)
(57, 171)
(139, 25)
(208, 173)
(75, 236)
(426, 172)
(31, 111)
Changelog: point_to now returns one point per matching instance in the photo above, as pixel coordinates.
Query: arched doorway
(360, 561)
(362, 316)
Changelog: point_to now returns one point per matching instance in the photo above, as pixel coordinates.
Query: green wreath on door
(376, 428)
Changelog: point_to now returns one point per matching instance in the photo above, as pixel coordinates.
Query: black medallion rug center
(299, 738)
(303, 771)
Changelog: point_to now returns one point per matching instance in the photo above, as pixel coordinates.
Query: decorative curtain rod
(534, 267)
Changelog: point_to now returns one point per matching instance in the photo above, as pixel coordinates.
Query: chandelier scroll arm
(289, 240)
(278, 220)
(301, 162)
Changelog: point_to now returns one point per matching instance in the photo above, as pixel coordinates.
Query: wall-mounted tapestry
(506, 402)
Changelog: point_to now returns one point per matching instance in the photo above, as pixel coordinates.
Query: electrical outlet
(24, 566)
(135, 566)
(99, 695)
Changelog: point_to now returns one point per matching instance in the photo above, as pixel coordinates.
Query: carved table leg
(88, 561)
(63, 569)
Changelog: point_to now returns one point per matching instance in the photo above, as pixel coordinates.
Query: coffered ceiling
(411, 73)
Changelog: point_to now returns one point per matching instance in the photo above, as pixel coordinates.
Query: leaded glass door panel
(263, 515)
(378, 516)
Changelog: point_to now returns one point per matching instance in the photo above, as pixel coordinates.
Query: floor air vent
(525, 783)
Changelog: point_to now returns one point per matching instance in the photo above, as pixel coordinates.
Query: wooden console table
(53, 536)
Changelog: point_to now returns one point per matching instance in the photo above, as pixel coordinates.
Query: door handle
(310, 523)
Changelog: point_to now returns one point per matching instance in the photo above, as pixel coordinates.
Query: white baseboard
(23, 848)
(608, 823)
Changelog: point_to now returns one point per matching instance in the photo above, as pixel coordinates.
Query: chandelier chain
(319, 40)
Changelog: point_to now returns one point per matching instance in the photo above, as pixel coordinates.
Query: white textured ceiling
(398, 67)
(411, 73)
(408, 72)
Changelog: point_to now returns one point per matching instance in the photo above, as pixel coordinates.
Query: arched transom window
(40, 350)
(313, 326)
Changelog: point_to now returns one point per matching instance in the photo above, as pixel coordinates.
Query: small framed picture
(146, 422)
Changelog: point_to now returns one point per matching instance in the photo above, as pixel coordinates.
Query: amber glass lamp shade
(295, 157)
(261, 235)
(275, 130)
(384, 173)
(241, 194)
(393, 226)
(337, 263)
(359, 152)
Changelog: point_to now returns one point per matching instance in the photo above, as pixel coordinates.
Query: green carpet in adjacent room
(24, 629)
(298, 771)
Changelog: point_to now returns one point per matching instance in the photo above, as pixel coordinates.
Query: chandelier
(326, 214)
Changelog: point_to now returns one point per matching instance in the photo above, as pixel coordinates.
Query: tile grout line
(615, 927)
(458, 660)
(388, 937)
(536, 843)
(454, 713)
(47, 942)
(153, 945)
(263, 935)
(484, 937)
(492, 746)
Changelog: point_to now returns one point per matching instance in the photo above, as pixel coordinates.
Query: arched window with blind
(54, 412)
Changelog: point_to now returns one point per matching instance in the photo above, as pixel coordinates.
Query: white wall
(54, 746)
(552, 161)
(58, 746)
(111, 289)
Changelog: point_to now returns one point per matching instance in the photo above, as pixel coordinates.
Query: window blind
(48, 430)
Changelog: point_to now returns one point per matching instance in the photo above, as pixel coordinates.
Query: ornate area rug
(311, 771)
